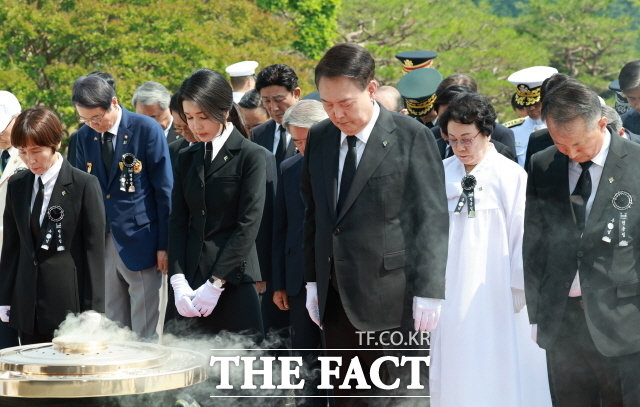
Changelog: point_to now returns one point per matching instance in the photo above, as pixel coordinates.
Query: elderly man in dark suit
(128, 154)
(152, 99)
(375, 232)
(580, 253)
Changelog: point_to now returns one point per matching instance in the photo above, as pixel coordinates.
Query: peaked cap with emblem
(418, 89)
(412, 60)
(528, 82)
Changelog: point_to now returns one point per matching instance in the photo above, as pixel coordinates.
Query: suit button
(336, 232)
(35, 263)
(203, 211)
(108, 196)
(328, 259)
(580, 253)
(201, 184)
(239, 275)
(567, 285)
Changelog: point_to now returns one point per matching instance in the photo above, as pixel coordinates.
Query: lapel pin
(611, 180)
(95, 139)
(385, 143)
(124, 142)
(125, 136)
(480, 189)
(89, 167)
(226, 157)
(64, 193)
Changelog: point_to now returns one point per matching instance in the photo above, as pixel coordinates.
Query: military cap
(412, 60)
(418, 89)
(528, 82)
(244, 68)
(615, 86)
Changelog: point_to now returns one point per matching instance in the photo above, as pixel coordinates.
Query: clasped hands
(198, 303)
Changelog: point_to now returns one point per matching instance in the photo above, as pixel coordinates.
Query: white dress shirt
(521, 135)
(49, 179)
(276, 139)
(166, 131)
(361, 143)
(595, 171)
(218, 141)
(114, 129)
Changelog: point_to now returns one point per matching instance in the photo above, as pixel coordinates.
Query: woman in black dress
(217, 203)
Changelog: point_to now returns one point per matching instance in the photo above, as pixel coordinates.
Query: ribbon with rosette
(621, 201)
(468, 185)
(126, 179)
(54, 228)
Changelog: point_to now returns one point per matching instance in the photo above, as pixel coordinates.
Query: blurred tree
(467, 36)
(48, 44)
(314, 20)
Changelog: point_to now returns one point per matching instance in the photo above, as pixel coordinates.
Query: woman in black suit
(53, 252)
(217, 203)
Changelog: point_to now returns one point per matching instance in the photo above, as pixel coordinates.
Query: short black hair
(91, 92)
(629, 77)
(251, 100)
(457, 79)
(107, 77)
(448, 94)
(469, 108)
(278, 75)
(348, 60)
(569, 100)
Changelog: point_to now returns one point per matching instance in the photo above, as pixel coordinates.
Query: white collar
(114, 129)
(53, 171)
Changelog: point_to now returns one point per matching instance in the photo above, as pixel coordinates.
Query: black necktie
(281, 149)
(208, 151)
(348, 171)
(580, 195)
(107, 151)
(35, 212)
(4, 159)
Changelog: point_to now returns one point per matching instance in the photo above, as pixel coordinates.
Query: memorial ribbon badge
(621, 201)
(126, 178)
(468, 184)
(54, 228)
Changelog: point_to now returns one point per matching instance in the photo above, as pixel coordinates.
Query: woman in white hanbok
(481, 350)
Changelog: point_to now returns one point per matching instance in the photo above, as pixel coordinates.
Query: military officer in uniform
(528, 83)
(418, 89)
(242, 79)
(412, 60)
(629, 80)
(622, 104)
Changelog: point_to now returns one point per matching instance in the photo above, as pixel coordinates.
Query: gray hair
(569, 100)
(615, 122)
(304, 114)
(150, 93)
(91, 92)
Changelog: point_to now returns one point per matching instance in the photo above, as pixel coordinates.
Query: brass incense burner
(68, 368)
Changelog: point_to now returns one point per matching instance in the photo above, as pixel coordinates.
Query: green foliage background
(47, 44)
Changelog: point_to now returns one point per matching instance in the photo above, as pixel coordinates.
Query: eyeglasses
(464, 141)
(94, 120)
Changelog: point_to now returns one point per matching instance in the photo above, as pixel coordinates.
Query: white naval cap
(9, 107)
(528, 82)
(244, 68)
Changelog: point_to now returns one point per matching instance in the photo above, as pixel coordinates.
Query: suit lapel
(225, 155)
(23, 212)
(330, 159)
(380, 142)
(559, 170)
(198, 160)
(614, 169)
(58, 195)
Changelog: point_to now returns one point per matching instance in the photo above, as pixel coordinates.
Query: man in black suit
(278, 87)
(375, 231)
(580, 253)
(152, 99)
(288, 264)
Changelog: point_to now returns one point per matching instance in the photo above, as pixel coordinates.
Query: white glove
(4, 312)
(534, 332)
(519, 300)
(426, 313)
(183, 294)
(206, 298)
(312, 303)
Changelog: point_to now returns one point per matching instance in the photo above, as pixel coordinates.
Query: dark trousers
(8, 336)
(305, 334)
(341, 339)
(35, 337)
(581, 375)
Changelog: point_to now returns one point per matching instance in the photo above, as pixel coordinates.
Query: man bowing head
(375, 227)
